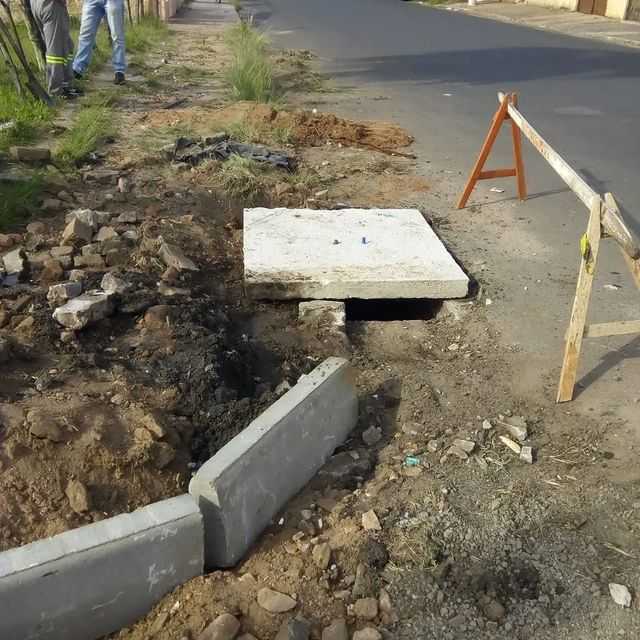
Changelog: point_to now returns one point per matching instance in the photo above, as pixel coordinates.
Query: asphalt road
(582, 95)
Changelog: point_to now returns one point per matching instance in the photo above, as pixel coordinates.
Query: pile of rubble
(91, 242)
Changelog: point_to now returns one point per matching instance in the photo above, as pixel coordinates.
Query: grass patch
(250, 76)
(19, 201)
(93, 124)
(140, 36)
(242, 179)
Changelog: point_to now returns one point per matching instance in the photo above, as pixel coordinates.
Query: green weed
(141, 35)
(250, 76)
(93, 124)
(18, 201)
(242, 179)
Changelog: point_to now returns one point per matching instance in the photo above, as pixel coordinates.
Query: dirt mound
(311, 129)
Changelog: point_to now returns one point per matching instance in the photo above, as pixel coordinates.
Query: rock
(620, 594)
(116, 257)
(60, 252)
(30, 154)
(36, 228)
(52, 272)
(42, 425)
(112, 284)
(433, 446)
(366, 608)
(247, 636)
(323, 312)
(106, 233)
(455, 450)
(77, 232)
(90, 218)
(102, 176)
(343, 470)
(91, 249)
(337, 630)
(77, 275)
(515, 426)
(224, 627)
(368, 633)
(6, 241)
(322, 555)
(58, 294)
(89, 262)
(37, 260)
(466, 445)
(171, 292)
(274, 601)
(51, 205)
(294, 629)
(15, 261)
(526, 454)
(131, 235)
(129, 217)
(370, 521)
(173, 256)
(153, 424)
(494, 611)
(384, 602)
(78, 496)
(507, 442)
(65, 196)
(123, 185)
(364, 583)
(84, 310)
(372, 436)
(486, 425)
(158, 317)
(163, 454)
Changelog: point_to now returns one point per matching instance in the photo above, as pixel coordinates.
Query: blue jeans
(93, 11)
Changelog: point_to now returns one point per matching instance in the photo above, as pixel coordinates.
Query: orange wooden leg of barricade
(477, 173)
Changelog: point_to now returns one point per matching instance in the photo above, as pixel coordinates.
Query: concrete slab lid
(94, 535)
(347, 253)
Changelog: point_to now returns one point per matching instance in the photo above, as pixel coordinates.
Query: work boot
(119, 78)
(67, 94)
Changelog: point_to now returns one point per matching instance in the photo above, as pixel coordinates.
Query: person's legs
(115, 18)
(92, 14)
(50, 16)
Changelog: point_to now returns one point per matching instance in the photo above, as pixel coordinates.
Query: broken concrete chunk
(60, 252)
(30, 154)
(508, 442)
(106, 233)
(368, 633)
(78, 496)
(116, 257)
(370, 521)
(58, 294)
(84, 310)
(515, 426)
(77, 232)
(91, 249)
(620, 594)
(90, 261)
(274, 601)
(173, 256)
(86, 216)
(112, 284)
(129, 217)
(366, 608)
(15, 261)
(224, 627)
(526, 454)
(322, 555)
(466, 445)
(52, 271)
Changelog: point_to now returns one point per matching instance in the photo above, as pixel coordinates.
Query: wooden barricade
(605, 220)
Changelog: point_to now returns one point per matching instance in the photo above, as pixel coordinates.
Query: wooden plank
(516, 136)
(634, 265)
(604, 329)
(494, 129)
(611, 221)
(580, 307)
(497, 173)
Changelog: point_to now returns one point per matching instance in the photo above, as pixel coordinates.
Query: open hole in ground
(393, 309)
